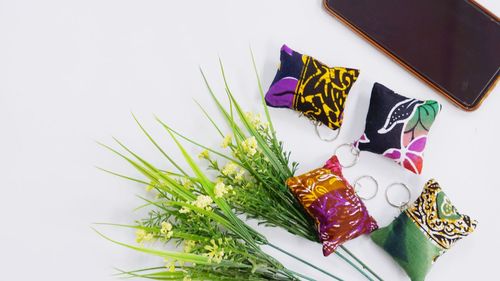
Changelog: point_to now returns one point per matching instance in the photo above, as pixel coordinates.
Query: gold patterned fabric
(330, 200)
(311, 87)
(434, 213)
(424, 232)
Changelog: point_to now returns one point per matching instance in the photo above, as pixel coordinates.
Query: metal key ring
(354, 152)
(317, 124)
(402, 204)
(356, 183)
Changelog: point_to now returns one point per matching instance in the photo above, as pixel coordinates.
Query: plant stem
(300, 275)
(353, 265)
(361, 263)
(303, 261)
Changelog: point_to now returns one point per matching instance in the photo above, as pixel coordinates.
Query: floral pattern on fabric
(397, 127)
(423, 232)
(308, 86)
(340, 215)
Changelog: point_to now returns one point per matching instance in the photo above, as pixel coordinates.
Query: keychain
(357, 184)
(317, 124)
(397, 127)
(339, 213)
(312, 88)
(402, 205)
(354, 151)
(423, 231)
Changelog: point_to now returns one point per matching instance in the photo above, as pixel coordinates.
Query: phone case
(456, 100)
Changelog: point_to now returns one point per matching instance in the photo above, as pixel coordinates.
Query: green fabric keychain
(424, 231)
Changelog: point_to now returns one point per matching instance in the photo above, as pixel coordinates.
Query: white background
(71, 73)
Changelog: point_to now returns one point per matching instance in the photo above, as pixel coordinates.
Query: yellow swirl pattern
(322, 91)
(314, 184)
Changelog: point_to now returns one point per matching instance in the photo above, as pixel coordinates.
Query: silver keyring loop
(317, 124)
(402, 204)
(354, 152)
(357, 183)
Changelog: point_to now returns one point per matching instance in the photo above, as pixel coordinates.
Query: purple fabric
(341, 216)
(281, 93)
(392, 153)
(286, 49)
(418, 144)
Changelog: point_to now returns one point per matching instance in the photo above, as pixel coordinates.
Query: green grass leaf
(168, 128)
(158, 146)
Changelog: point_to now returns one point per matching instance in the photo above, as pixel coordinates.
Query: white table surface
(71, 72)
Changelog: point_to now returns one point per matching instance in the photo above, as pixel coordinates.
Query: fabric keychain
(339, 213)
(310, 87)
(423, 231)
(397, 127)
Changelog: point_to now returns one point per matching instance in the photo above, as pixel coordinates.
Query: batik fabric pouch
(424, 231)
(331, 201)
(304, 84)
(397, 127)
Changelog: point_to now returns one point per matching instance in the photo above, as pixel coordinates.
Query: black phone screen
(452, 44)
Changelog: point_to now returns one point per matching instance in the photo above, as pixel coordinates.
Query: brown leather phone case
(452, 45)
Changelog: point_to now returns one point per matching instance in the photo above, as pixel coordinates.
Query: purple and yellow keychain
(312, 88)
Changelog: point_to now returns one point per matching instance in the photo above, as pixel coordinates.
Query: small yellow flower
(204, 155)
(203, 202)
(229, 169)
(170, 265)
(187, 184)
(249, 115)
(221, 189)
(256, 121)
(218, 258)
(253, 118)
(239, 176)
(139, 235)
(184, 210)
(249, 146)
(166, 229)
(142, 236)
(227, 141)
(234, 153)
(215, 253)
(188, 245)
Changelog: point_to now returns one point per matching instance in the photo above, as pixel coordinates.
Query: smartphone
(453, 45)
